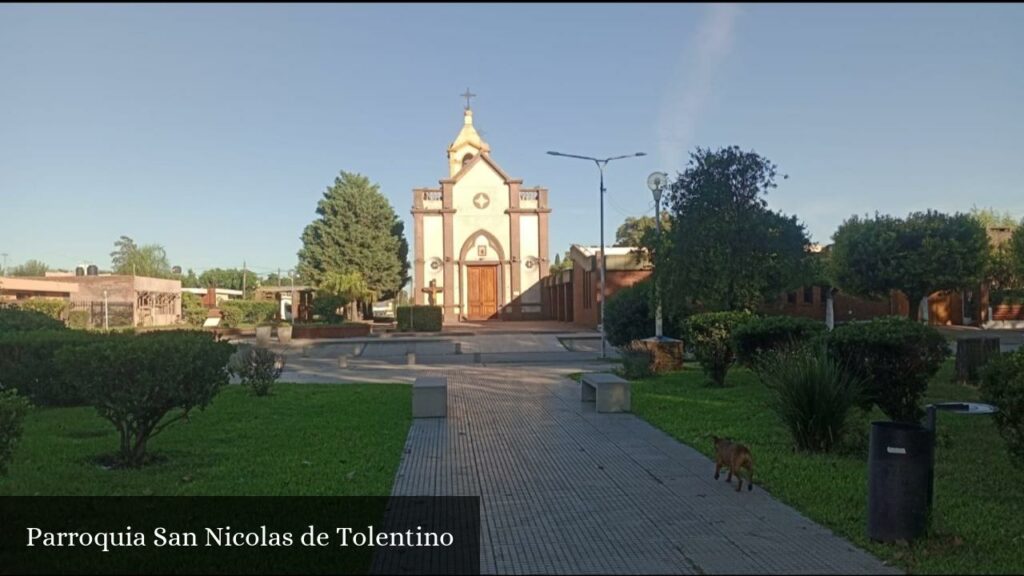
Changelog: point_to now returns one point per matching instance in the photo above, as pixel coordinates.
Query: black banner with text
(239, 535)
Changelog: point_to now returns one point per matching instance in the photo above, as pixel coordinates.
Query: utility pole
(601, 163)
(278, 277)
(243, 278)
(4, 270)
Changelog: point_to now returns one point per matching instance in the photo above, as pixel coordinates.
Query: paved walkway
(566, 490)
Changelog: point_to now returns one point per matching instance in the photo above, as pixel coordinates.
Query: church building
(480, 238)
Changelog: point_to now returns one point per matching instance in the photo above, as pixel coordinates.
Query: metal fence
(117, 314)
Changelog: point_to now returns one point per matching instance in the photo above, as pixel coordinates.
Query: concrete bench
(430, 397)
(610, 392)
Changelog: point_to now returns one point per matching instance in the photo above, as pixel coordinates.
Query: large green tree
(923, 253)
(1015, 254)
(560, 263)
(30, 268)
(726, 249)
(992, 218)
(640, 231)
(147, 260)
(356, 230)
(230, 278)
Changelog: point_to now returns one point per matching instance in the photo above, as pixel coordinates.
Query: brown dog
(735, 457)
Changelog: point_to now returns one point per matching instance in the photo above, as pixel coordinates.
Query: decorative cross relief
(481, 200)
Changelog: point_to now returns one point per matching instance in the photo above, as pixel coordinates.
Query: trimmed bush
(1002, 384)
(710, 337)
(772, 333)
(192, 309)
(27, 364)
(329, 308)
(419, 318)
(403, 316)
(628, 314)
(812, 394)
(258, 368)
(636, 361)
(53, 308)
(895, 358)
(12, 412)
(143, 384)
(238, 312)
(14, 319)
(78, 319)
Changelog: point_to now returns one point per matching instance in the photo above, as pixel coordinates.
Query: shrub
(1007, 297)
(812, 394)
(329, 308)
(258, 368)
(238, 312)
(14, 319)
(772, 333)
(628, 315)
(895, 358)
(12, 412)
(419, 318)
(636, 361)
(1002, 384)
(27, 364)
(51, 307)
(192, 309)
(709, 336)
(78, 319)
(143, 384)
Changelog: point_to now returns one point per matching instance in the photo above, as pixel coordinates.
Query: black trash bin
(901, 461)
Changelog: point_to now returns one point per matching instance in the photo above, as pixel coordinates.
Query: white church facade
(480, 238)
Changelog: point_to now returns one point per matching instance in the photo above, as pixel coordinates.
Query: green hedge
(14, 319)
(53, 308)
(1002, 384)
(237, 312)
(27, 364)
(895, 358)
(78, 319)
(419, 318)
(12, 412)
(192, 309)
(772, 333)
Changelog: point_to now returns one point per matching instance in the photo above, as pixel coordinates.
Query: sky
(213, 130)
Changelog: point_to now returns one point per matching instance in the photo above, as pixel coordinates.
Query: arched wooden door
(482, 297)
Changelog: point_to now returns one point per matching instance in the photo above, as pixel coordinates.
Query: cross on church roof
(467, 95)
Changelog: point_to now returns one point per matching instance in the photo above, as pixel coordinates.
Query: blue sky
(214, 129)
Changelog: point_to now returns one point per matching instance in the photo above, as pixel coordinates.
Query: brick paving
(566, 490)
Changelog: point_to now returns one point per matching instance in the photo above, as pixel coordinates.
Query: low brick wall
(331, 331)
(1004, 312)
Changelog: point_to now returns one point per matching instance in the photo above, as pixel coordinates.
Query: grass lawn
(979, 505)
(303, 440)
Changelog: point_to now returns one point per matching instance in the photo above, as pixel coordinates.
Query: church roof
(482, 157)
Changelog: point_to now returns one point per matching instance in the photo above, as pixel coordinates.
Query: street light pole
(656, 182)
(601, 163)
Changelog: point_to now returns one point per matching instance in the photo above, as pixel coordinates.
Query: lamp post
(601, 163)
(656, 182)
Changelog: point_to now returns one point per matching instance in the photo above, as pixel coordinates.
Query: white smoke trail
(691, 85)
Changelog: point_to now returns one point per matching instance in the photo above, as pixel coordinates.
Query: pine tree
(357, 230)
